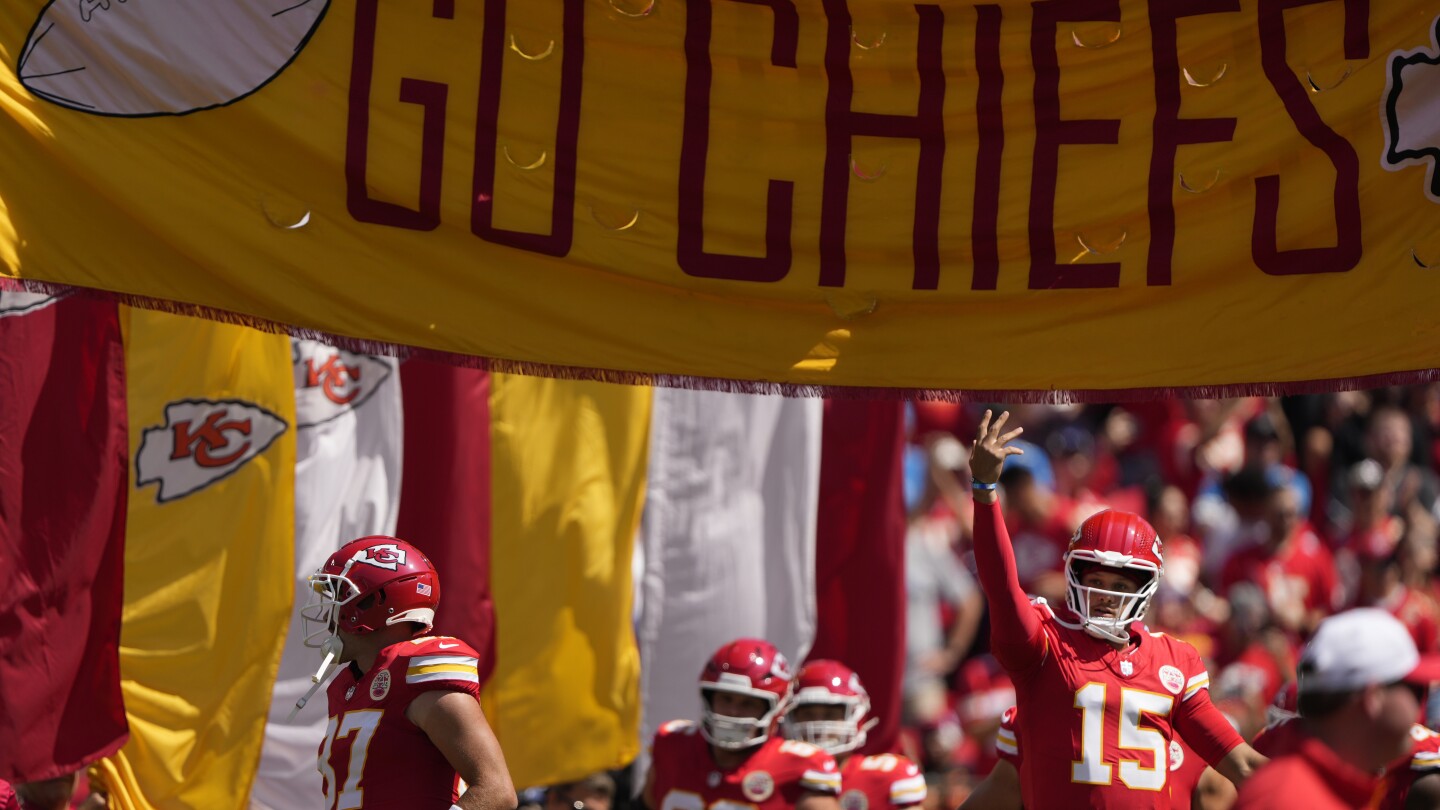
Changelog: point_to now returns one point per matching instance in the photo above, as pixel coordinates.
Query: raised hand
(991, 449)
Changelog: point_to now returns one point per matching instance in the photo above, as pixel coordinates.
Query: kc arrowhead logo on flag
(201, 442)
(23, 303)
(331, 381)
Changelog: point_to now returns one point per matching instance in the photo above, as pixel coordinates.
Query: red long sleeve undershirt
(1016, 638)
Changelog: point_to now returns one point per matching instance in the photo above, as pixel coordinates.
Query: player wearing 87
(1100, 698)
(405, 719)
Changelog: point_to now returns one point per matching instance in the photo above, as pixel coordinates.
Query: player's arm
(1016, 638)
(1205, 729)
(1212, 792)
(1424, 793)
(812, 800)
(647, 793)
(998, 791)
(457, 726)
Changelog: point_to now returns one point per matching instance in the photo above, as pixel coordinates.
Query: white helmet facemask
(1129, 607)
(836, 737)
(320, 622)
(736, 733)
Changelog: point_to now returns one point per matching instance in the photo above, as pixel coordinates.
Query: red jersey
(775, 776)
(368, 725)
(1288, 738)
(1095, 723)
(1424, 759)
(1301, 577)
(881, 781)
(1186, 766)
(1304, 772)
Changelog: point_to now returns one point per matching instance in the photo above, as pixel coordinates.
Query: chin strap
(331, 648)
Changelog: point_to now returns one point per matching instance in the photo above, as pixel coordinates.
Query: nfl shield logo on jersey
(854, 800)
(758, 786)
(1127, 669)
(380, 687)
(1172, 678)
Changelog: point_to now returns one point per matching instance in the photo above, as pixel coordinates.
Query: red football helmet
(750, 667)
(830, 683)
(371, 583)
(1121, 540)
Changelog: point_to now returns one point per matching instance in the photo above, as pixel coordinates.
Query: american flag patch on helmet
(422, 589)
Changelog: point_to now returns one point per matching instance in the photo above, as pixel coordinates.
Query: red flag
(860, 553)
(63, 478)
(445, 494)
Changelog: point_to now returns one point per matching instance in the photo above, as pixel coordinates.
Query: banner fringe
(528, 368)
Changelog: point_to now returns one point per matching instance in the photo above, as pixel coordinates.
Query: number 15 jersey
(1096, 723)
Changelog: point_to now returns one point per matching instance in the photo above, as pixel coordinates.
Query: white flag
(349, 435)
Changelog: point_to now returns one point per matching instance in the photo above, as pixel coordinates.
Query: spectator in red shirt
(1039, 531)
(1360, 679)
(1381, 586)
(1291, 565)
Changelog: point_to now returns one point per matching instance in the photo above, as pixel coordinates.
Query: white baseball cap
(1363, 647)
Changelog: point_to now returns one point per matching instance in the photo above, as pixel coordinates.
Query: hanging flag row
(166, 483)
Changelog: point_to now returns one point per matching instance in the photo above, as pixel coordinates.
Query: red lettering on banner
(695, 147)
(1172, 131)
(430, 96)
(567, 133)
(1052, 132)
(842, 124)
(1345, 255)
(210, 436)
(990, 124)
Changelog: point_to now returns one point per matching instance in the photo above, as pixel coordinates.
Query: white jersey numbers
(1091, 768)
(362, 723)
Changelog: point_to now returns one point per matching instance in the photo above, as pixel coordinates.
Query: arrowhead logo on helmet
(385, 555)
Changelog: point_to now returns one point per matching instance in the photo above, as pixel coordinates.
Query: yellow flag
(208, 558)
(568, 478)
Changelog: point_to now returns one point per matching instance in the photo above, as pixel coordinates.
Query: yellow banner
(568, 470)
(1067, 194)
(208, 558)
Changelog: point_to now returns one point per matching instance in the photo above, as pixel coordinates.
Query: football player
(405, 717)
(1000, 790)
(832, 710)
(1099, 697)
(734, 757)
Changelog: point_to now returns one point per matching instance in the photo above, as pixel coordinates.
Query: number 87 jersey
(373, 757)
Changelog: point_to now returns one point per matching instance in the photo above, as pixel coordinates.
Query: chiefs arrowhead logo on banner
(1411, 112)
(24, 303)
(201, 442)
(331, 381)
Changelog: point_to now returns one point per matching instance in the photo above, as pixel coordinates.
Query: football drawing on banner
(136, 58)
